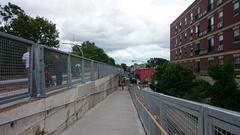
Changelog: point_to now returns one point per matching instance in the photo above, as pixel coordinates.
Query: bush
(224, 93)
(173, 80)
(198, 91)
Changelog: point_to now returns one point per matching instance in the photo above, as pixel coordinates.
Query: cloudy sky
(126, 29)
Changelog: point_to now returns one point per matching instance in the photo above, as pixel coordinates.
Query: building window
(197, 30)
(219, 2)
(176, 41)
(180, 38)
(211, 24)
(220, 62)
(211, 45)
(210, 5)
(185, 35)
(237, 62)
(236, 34)
(220, 19)
(210, 62)
(235, 7)
(191, 18)
(197, 67)
(197, 16)
(220, 39)
(197, 48)
(185, 21)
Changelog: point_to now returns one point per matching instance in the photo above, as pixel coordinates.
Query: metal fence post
(69, 71)
(83, 71)
(98, 75)
(39, 78)
(92, 70)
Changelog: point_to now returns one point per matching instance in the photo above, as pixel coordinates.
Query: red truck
(144, 74)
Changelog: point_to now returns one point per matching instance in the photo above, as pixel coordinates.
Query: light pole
(82, 61)
(77, 45)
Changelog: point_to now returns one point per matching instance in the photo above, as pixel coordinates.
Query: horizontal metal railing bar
(14, 98)
(12, 37)
(13, 81)
(214, 116)
(182, 102)
(151, 116)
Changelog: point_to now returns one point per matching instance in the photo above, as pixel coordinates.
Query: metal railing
(167, 115)
(29, 70)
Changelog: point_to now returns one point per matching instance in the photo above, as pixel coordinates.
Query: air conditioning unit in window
(220, 25)
(200, 15)
(220, 48)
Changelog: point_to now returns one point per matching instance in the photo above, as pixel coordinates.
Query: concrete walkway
(115, 115)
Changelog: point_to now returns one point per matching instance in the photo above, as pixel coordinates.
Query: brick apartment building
(207, 32)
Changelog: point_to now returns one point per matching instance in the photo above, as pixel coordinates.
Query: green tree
(224, 93)
(173, 80)
(91, 51)
(39, 29)
(124, 66)
(156, 62)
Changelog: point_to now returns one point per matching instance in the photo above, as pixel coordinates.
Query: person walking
(26, 59)
(59, 67)
(123, 82)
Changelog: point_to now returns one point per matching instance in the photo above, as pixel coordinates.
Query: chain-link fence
(29, 70)
(166, 115)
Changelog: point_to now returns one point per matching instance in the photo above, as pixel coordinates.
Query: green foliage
(124, 66)
(156, 62)
(38, 29)
(173, 80)
(198, 91)
(91, 51)
(224, 93)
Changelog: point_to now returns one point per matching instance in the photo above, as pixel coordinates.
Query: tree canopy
(91, 51)
(224, 93)
(156, 62)
(18, 23)
(173, 80)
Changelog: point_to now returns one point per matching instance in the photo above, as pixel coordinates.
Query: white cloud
(141, 53)
(112, 24)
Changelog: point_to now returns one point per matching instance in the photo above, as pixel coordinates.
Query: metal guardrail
(167, 115)
(28, 69)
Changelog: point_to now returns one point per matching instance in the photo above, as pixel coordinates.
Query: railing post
(92, 70)
(38, 73)
(83, 71)
(69, 71)
(98, 74)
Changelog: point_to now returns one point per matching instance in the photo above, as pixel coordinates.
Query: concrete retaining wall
(55, 113)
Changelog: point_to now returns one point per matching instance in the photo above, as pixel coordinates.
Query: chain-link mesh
(56, 68)
(181, 117)
(87, 70)
(220, 131)
(28, 69)
(76, 69)
(15, 60)
(179, 122)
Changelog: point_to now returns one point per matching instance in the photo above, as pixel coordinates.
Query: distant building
(207, 32)
(145, 74)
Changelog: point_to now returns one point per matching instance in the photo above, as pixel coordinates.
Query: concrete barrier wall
(53, 114)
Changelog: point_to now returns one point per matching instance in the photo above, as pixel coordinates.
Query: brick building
(207, 32)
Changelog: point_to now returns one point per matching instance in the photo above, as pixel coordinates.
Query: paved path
(115, 115)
